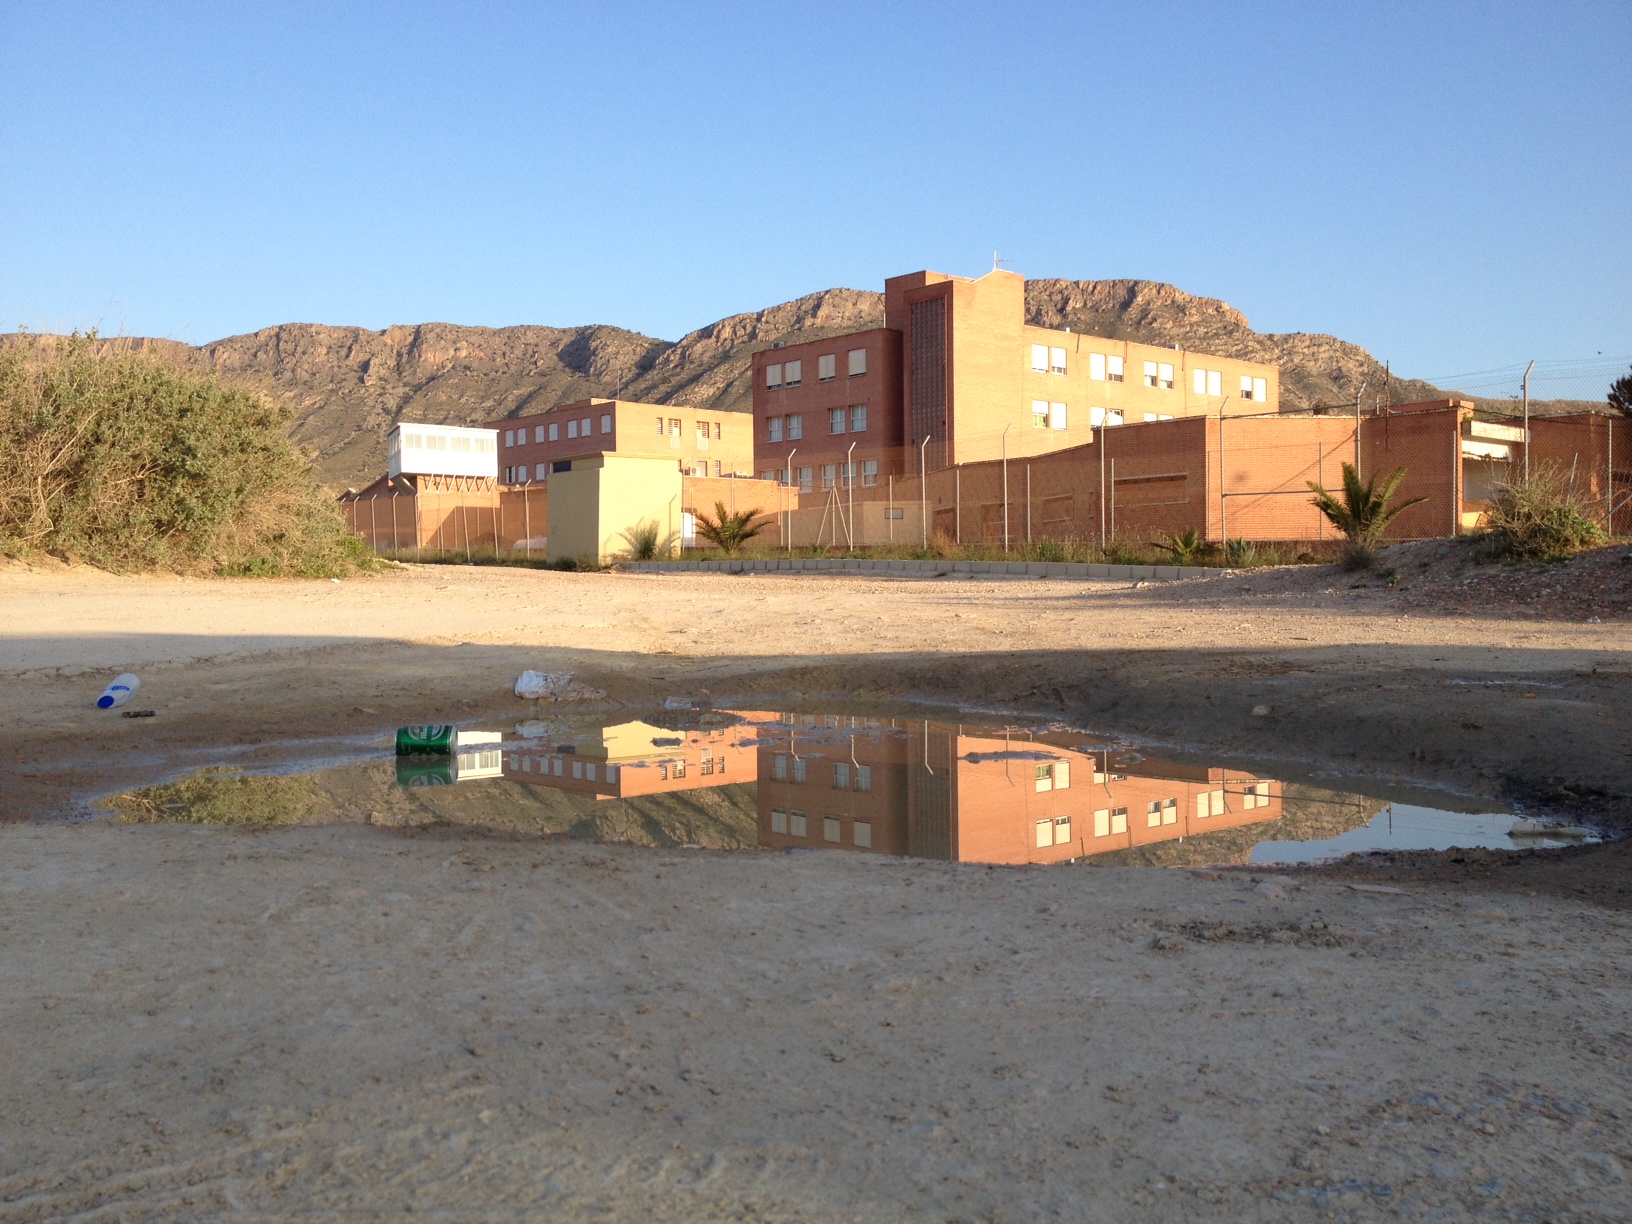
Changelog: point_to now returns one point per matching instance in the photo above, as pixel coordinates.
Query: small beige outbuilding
(595, 498)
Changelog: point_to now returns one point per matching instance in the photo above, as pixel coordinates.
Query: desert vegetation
(1363, 511)
(1540, 517)
(131, 463)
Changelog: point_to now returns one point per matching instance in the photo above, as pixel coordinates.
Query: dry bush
(132, 464)
(1540, 517)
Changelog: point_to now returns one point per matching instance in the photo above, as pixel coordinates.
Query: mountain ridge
(348, 385)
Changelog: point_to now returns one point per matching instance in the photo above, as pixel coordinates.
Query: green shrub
(132, 464)
(1539, 517)
(647, 541)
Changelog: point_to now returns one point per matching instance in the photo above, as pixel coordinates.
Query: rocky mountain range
(347, 385)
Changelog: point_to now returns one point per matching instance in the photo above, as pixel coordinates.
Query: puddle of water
(922, 788)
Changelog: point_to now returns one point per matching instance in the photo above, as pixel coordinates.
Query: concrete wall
(604, 495)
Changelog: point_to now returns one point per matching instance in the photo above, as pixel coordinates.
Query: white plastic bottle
(117, 693)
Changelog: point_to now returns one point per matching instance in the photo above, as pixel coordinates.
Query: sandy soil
(347, 1021)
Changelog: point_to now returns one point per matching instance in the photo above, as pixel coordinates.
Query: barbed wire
(1585, 379)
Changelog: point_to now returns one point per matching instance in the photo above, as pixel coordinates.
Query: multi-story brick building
(985, 795)
(956, 375)
(703, 441)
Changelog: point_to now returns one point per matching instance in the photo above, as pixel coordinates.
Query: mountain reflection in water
(920, 788)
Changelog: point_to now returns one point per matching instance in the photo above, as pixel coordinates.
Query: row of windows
(834, 475)
(1158, 374)
(467, 443)
(846, 776)
(792, 373)
(797, 824)
(791, 428)
(556, 766)
(585, 426)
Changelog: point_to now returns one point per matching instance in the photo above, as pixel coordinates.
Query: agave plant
(727, 531)
(1185, 547)
(1239, 554)
(1364, 512)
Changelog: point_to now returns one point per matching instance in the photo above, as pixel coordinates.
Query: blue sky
(1449, 185)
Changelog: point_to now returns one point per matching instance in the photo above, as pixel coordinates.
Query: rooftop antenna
(998, 261)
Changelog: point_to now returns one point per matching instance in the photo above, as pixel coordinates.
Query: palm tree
(1184, 548)
(1364, 512)
(646, 541)
(1620, 395)
(727, 531)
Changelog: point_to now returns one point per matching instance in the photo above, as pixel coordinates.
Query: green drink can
(421, 772)
(425, 741)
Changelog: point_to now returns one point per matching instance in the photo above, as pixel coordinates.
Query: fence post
(1028, 503)
(923, 491)
(1113, 501)
(957, 504)
(889, 514)
(373, 527)
(527, 516)
(1609, 482)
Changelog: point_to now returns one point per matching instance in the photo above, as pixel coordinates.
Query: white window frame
(606, 423)
(1039, 358)
(869, 476)
(1215, 382)
(541, 471)
(1056, 416)
(1056, 360)
(572, 429)
(1113, 369)
(555, 431)
(796, 426)
(827, 367)
(774, 434)
(1246, 386)
(773, 376)
(858, 412)
(793, 373)
(857, 362)
(509, 438)
(836, 421)
(1096, 366)
(1260, 389)
(1039, 414)
(1150, 374)
(1164, 376)
(538, 434)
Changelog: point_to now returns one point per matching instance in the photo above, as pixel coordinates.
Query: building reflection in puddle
(924, 789)
(983, 794)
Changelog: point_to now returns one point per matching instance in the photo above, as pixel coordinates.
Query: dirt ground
(347, 1022)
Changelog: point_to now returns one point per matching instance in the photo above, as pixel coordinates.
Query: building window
(869, 473)
(716, 467)
(1102, 822)
(719, 430)
(779, 768)
(1260, 389)
(858, 418)
(775, 434)
(660, 427)
(793, 373)
(861, 832)
(538, 471)
(674, 427)
(572, 429)
(1096, 366)
(1062, 830)
(1039, 414)
(1164, 373)
(1045, 778)
(779, 821)
(841, 776)
(832, 828)
(858, 362)
(798, 769)
(796, 824)
(1045, 833)
(1098, 417)
(1113, 369)
(773, 376)
(555, 432)
(1039, 358)
(827, 367)
(1056, 416)
(830, 476)
(509, 472)
(509, 437)
(805, 485)
(1150, 373)
(1153, 813)
(606, 423)
(796, 426)
(1056, 360)
(864, 777)
(835, 420)
(1119, 820)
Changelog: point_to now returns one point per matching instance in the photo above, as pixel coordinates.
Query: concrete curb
(931, 569)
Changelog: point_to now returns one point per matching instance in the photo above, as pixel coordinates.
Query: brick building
(703, 441)
(956, 375)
